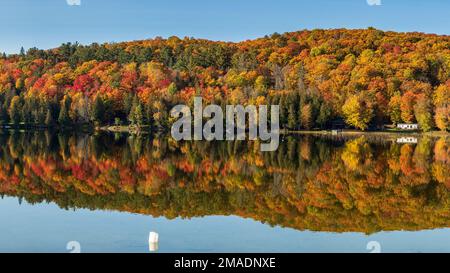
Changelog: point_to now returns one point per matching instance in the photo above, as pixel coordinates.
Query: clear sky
(48, 23)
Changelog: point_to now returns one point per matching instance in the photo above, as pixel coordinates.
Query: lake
(106, 192)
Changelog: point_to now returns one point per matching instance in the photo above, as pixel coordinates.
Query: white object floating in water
(153, 239)
(153, 247)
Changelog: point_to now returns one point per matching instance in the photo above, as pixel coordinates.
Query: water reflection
(153, 241)
(309, 183)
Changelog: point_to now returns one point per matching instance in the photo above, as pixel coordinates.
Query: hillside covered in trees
(365, 77)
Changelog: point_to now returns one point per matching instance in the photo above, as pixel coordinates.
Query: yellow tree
(441, 101)
(306, 116)
(442, 118)
(358, 112)
(395, 111)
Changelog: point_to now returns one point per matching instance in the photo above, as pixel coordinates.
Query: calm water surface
(314, 194)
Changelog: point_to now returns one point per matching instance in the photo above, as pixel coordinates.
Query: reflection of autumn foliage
(441, 163)
(309, 183)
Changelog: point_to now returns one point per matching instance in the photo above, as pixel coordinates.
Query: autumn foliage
(365, 77)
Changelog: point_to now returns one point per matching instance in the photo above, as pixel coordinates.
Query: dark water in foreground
(319, 194)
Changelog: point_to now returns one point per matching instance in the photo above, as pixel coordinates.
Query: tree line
(363, 78)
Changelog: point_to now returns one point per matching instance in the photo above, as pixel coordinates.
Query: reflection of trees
(308, 183)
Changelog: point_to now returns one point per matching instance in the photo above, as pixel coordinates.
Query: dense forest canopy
(365, 77)
(358, 184)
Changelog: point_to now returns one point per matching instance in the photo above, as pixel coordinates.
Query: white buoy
(153, 239)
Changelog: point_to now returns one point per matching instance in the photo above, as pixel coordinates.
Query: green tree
(292, 117)
(27, 109)
(306, 116)
(41, 109)
(136, 116)
(117, 121)
(15, 110)
(98, 110)
(49, 118)
(172, 89)
(128, 102)
(160, 114)
(261, 86)
(324, 115)
(139, 115)
(3, 114)
(284, 111)
(423, 113)
(292, 112)
(64, 118)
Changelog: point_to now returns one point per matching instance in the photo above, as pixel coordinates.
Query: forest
(362, 78)
(356, 184)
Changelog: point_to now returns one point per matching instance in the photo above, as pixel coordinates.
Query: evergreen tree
(98, 110)
(27, 109)
(128, 103)
(41, 110)
(49, 118)
(160, 114)
(172, 89)
(292, 116)
(117, 122)
(148, 113)
(139, 115)
(306, 116)
(3, 114)
(136, 116)
(64, 118)
(324, 115)
(283, 111)
(292, 111)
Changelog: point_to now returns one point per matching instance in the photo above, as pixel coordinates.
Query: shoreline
(372, 133)
(349, 132)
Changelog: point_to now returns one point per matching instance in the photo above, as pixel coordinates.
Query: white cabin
(408, 126)
(407, 140)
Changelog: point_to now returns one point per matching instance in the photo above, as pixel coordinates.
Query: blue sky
(48, 23)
